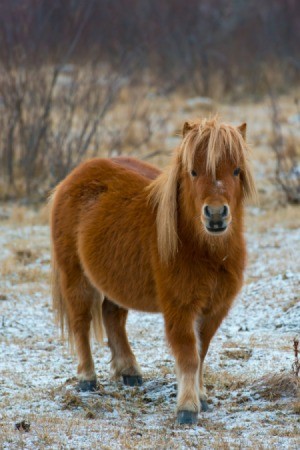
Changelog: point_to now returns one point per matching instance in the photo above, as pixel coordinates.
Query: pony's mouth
(217, 230)
(216, 227)
(215, 224)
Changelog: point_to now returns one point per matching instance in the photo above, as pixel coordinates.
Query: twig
(296, 363)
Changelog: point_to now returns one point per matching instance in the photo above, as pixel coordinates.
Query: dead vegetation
(275, 386)
(296, 363)
(36, 364)
(286, 147)
(88, 91)
(53, 118)
(25, 265)
(203, 45)
(239, 353)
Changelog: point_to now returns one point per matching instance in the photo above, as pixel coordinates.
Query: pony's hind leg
(123, 360)
(79, 296)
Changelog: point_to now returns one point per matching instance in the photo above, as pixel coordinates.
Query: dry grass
(143, 418)
(274, 386)
(239, 353)
(287, 216)
(14, 268)
(24, 215)
(71, 401)
(296, 407)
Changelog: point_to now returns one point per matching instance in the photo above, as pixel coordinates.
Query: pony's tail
(97, 320)
(61, 315)
(59, 305)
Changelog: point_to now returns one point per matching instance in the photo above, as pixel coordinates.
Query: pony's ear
(186, 128)
(242, 130)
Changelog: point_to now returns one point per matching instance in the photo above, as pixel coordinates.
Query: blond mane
(217, 140)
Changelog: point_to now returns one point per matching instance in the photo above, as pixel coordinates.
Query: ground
(253, 393)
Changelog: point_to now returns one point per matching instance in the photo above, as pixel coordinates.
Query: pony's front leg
(207, 327)
(181, 336)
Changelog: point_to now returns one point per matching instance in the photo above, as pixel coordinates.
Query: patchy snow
(37, 382)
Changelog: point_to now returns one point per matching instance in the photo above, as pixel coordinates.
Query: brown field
(253, 393)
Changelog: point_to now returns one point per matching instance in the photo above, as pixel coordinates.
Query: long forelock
(216, 142)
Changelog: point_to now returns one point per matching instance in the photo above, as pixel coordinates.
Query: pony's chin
(216, 232)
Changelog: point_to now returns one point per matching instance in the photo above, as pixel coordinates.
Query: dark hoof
(187, 417)
(204, 405)
(87, 385)
(132, 380)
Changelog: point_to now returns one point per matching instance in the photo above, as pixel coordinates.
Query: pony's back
(141, 167)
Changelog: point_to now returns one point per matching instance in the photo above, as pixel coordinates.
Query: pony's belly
(143, 304)
(127, 288)
(115, 256)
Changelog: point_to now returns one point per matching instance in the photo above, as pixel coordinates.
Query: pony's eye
(236, 171)
(193, 173)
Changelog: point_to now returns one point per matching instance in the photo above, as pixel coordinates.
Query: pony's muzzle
(216, 218)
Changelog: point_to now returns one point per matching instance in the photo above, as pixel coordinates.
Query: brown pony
(127, 236)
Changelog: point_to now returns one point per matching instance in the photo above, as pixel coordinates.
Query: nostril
(206, 211)
(224, 213)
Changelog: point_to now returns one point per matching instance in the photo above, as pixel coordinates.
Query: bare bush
(136, 136)
(53, 118)
(50, 120)
(54, 113)
(287, 153)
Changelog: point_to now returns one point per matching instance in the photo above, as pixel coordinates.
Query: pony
(126, 235)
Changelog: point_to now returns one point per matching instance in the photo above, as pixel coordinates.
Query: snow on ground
(252, 394)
